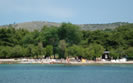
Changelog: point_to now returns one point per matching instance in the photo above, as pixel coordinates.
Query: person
(67, 59)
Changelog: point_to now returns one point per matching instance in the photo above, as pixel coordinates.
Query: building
(106, 55)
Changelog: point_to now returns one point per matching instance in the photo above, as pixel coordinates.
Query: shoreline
(57, 61)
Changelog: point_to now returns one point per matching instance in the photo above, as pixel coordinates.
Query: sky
(74, 11)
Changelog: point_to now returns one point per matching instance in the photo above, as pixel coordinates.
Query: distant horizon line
(64, 22)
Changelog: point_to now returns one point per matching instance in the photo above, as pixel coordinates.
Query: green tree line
(67, 40)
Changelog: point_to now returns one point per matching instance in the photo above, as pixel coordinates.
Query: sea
(62, 73)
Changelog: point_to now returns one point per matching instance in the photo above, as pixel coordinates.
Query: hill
(39, 24)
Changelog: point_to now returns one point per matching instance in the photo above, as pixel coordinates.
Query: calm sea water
(40, 73)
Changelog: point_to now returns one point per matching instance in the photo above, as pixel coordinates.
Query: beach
(59, 61)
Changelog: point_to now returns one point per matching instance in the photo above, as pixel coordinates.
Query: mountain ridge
(39, 24)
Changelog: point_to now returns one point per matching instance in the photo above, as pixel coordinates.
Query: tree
(114, 54)
(75, 51)
(117, 53)
(40, 50)
(100, 37)
(5, 51)
(32, 50)
(31, 38)
(49, 50)
(12, 52)
(17, 51)
(126, 35)
(7, 36)
(11, 36)
(19, 35)
(95, 50)
(70, 33)
(49, 36)
(129, 53)
(88, 53)
(117, 40)
(62, 48)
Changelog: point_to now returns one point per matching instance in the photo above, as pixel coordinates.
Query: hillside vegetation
(66, 40)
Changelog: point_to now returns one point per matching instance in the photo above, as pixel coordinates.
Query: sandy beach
(57, 61)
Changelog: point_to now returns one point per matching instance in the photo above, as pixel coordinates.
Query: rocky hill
(39, 24)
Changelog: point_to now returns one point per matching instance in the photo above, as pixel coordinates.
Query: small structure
(106, 55)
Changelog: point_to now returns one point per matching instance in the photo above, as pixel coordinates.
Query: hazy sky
(74, 11)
